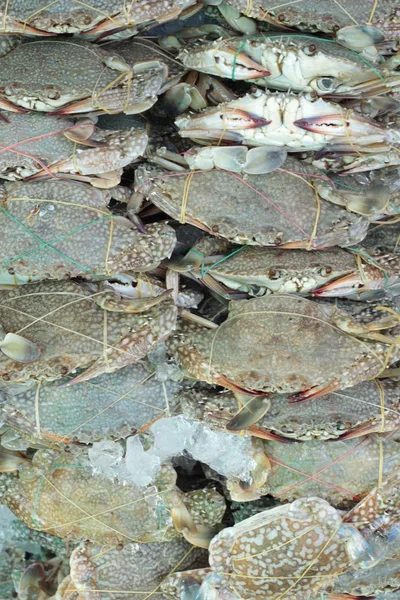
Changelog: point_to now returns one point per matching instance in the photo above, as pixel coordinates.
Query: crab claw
(224, 60)
(7, 105)
(314, 392)
(345, 286)
(347, 124)
(220, 124)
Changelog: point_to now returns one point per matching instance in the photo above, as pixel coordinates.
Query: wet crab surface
(199, 300)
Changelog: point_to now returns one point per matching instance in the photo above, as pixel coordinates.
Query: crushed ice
(228, 454)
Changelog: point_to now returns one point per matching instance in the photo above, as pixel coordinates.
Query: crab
(55, 327)
(328, 16)
(91, 411)
(70, 16)
(297, 123)
(257, 271)
(281, 208)
(339, 472)
(38, 145)
(344, 415)
(291, 62)
(33, 76)
(294, 549)
(58, 493)
(318, 349)
(57, 229)
(141, 567)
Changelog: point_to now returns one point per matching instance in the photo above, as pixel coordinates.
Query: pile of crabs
(199, 299)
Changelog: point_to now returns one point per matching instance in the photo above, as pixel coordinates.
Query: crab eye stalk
(325, 271)
(326, 84)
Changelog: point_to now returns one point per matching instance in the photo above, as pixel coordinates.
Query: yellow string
(185, 197)
(360, 267)
(37, 12)
(5, 16)
(312, 563)
(249, 8)
(347, 129)
(371, 16)
(318, 200)
(109, 17)
(317, 216)
(41, 200)
(395, 343)
(382, 404)
(110, 237)
(37, 415)
(380, 469)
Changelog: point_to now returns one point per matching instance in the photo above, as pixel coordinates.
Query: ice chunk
(171, 436)
(142, 466)
(106, 458)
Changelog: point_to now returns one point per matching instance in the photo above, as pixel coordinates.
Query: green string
(57, 239)
(205, 271)
(42, 242)
(295, 35)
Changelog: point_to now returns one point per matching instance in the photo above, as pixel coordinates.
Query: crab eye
(325, 271)
(310, 50)
(275, 273)
(52, 93)
(327, 84)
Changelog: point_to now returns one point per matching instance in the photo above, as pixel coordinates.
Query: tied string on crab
(190, 175)
(302, 36)
(99, 522)
(14, 147)
(49, 244)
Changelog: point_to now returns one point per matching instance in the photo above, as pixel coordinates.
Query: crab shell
(66, 16)
(95, 79)
(248, 560)
(296, 63)
(340, 472)
(141, 567)
(70, 331)
(281, 209)
(90, 411)
(58, 229)
(73, 503)
(347, 414)
(311, 354)
(43, 145)
(324, 15)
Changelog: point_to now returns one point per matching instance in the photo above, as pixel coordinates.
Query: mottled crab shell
(309, 350)
(114, 573)
(295, 62)
(255, 269)
(34, 75)
(263, 210)
(60, 494)
(68, 16)
(58, 229)
(324, 15)
(39, 143)
(291, 550)
(72, 331)
(112, 406)
(339, 472)
(367, 407)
